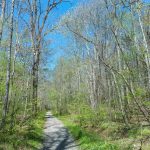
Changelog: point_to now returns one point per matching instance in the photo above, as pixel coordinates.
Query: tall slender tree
(6, 99)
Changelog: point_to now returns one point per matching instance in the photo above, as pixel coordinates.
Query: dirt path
(57, 136)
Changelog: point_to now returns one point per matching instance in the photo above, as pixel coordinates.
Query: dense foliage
(104, 75)
(24, 48)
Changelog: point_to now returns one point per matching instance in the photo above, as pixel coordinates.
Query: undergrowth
(85, 138)
(26, 136)
(105, 135)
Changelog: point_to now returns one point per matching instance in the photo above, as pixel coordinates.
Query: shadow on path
(57, 136)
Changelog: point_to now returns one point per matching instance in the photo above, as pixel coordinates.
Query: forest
(99, 85)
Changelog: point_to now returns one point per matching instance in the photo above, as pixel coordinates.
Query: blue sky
(55, 38)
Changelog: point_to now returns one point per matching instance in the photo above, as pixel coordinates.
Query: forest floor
(27, 135)
(73, 132)
(106, 135)
(57, 136)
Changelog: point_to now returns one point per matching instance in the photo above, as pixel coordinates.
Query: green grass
(28, 136)
(105, 135)
(86, 139)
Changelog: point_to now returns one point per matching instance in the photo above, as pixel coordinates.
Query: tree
(38, 19)
(112, 54)
(3, 5)
(6, 99)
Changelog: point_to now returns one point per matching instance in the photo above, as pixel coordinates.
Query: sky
(56, 39)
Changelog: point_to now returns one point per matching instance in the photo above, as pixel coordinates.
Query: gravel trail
(57, 136)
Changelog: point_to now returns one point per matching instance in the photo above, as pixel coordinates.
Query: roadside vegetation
(87, 137)
(102, 83)
(92, 132)
(26, 135)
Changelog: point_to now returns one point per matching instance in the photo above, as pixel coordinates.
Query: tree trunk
(35, 79)
(2, 18)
